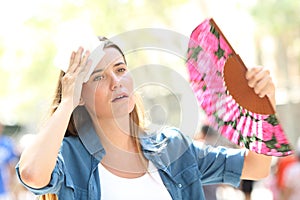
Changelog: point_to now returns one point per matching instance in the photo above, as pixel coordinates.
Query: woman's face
(109, 91)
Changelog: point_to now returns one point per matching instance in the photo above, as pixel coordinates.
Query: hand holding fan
(217, 76)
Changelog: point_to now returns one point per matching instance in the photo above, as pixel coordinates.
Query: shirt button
(179, 185)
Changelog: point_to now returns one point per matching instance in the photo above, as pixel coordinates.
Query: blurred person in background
(8, 160)
(246, 188)
(270, 183)
(282, 164)
(291, 178)
(207, 135)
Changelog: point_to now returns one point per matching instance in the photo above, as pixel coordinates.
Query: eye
(122, 69)
(98, 78)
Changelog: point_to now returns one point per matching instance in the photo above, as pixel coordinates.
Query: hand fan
(217, 76)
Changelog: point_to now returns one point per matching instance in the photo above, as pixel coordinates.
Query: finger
(85, 57)
(87, 67)
(257, 77)
(268, 90)
(76, 61)
(87, 71)
(72, 58)
(263, 86)
(83, 62)
(252, 71)
(83, 75)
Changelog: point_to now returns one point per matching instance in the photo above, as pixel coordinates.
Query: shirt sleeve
(220, 164)
(8, 154)
(57, 178)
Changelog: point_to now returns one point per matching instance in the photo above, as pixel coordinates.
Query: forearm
(256, 166)
(39, 158)
(272, 101)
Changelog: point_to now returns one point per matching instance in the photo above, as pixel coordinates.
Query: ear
(81, 102)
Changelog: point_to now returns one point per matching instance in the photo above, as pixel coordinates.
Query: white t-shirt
(147, 187)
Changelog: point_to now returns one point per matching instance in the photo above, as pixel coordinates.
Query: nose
(115, 81)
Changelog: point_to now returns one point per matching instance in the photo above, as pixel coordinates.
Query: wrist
(66, 106)
(272, 101)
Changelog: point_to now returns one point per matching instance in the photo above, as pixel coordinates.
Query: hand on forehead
(110, 58)
(96, 55)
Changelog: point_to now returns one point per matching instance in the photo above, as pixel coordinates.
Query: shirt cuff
(52, 187)
(234, 166)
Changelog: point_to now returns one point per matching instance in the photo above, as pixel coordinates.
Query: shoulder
(71, 142)
(293, 169)
(72, 145)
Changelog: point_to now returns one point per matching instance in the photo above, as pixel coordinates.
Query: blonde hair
(48, 197)
(136, 122)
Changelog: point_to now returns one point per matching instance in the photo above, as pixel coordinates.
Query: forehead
(112, 56)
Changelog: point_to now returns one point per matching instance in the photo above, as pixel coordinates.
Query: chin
(122, 111)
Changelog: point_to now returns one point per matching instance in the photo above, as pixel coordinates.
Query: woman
(94, 147)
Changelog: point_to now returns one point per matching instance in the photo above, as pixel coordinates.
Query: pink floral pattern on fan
(207, 54)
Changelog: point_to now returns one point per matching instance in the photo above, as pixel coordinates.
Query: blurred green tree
(30, 83)
(280, 19)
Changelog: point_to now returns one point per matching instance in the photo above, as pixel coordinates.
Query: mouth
(119, 97)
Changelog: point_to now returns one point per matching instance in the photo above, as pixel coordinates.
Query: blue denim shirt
(183, 166)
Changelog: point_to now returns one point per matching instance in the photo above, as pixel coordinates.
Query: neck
(115, 132)
(122, 154)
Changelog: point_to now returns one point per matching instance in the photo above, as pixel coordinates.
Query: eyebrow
(96, 71)
(101, 70)
(119, 63)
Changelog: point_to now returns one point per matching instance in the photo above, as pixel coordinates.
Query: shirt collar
(87, 133)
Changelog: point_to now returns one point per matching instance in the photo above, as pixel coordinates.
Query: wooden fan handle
(237, 86)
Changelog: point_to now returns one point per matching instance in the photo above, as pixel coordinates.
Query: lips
(119, 97)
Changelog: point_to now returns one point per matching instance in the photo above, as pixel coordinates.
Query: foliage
(278, 16)
(33, 81)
